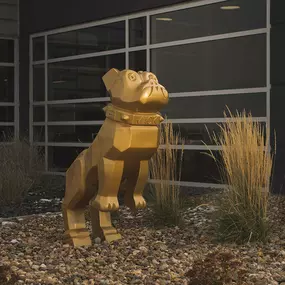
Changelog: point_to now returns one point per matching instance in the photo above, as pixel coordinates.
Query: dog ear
(110, 77)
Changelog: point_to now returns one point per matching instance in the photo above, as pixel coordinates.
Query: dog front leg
(110, 176)
(134, 189)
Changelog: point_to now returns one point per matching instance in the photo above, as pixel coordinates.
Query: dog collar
(124, 116)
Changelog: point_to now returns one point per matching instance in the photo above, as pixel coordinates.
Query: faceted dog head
(135, 91)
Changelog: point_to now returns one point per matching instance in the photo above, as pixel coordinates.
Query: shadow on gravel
(7, 276)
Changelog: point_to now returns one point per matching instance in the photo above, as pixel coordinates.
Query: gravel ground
(31, 250)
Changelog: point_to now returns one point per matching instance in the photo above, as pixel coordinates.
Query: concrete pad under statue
(127, 140)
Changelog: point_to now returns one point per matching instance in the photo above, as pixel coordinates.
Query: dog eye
(132, 76)
(152, 77)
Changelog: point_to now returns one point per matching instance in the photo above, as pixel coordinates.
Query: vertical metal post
(127, 42)
(16, 90)
(268, 83)
(46, 100)
(31, 88)
(147, 43)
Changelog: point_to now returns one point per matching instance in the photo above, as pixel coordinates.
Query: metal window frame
(132, 16)
(86, 145)
(15, 103)
(46, 99)
(171, 95)
(181, 183)
(148, 47)
(268, 67)
(174, 121)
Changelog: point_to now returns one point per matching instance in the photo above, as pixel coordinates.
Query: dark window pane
(6, 133)
(6, 114)
(39, 83)
(6, 50)
(198, 166)
(196, 134)
(137, 34)
(208, 20)
(38, 48)
(214, 106)
(39, 134)
(81, 78)
(199, 133)
(84, 134)
(277, 56)
(137, 60)
(94, 39)
(39, 114)
(6, 84)
(77, 112)
(215, 65)
(60, 158)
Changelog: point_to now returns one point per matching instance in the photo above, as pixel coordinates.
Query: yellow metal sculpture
(120, 152)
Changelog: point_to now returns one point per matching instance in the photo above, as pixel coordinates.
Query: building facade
(208, 53)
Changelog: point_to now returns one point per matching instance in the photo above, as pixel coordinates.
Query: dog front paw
(106, 204)
(139, 202)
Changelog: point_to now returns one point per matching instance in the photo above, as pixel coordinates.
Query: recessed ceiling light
(164, 19)
(230, 7)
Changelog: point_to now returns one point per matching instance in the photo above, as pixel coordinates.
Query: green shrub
(165, 169)
(246, 166)
(21, 167)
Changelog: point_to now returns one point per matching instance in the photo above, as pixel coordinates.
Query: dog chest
(136, 137)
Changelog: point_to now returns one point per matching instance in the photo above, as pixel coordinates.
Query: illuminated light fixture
(230, 7)
(58, 81)
(164, 19)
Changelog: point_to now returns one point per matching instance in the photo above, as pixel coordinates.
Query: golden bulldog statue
(120, 152)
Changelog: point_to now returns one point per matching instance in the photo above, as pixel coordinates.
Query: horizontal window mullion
(193, 184)
(7, 64)
(7, 124)
(75, 123)
(12, 104)
(72, 101)
(219, 92)
(63, 144)
(86, 55)
(209, 120)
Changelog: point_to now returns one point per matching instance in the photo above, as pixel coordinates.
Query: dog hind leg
(75, 201)
(102, 225)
